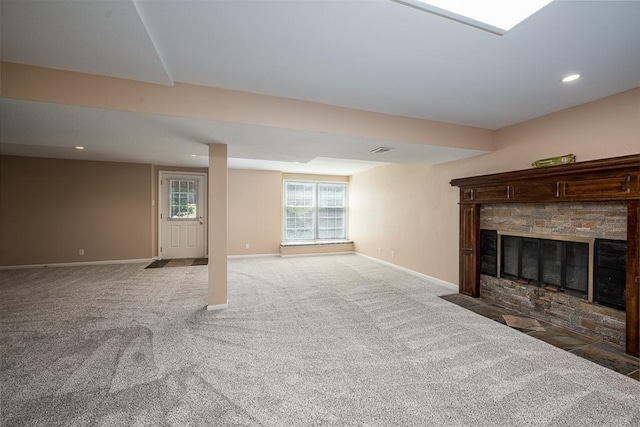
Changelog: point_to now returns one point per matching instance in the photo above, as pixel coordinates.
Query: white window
(315, 211)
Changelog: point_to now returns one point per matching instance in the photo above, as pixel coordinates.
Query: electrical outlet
(393, 254)
(80, 251)
(247, 245)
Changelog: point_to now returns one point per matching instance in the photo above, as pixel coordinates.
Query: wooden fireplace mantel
(609, 179)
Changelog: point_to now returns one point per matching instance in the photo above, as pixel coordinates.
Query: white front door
(183, 216)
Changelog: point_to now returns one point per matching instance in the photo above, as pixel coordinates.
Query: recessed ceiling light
(79, 147)
(193, 155)
(495, 16)
(571, 78)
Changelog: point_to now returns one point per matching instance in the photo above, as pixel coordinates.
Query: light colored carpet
(333, 340)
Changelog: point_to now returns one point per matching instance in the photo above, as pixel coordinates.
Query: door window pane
(183, 199)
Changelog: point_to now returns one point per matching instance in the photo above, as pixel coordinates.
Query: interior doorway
(182, 215)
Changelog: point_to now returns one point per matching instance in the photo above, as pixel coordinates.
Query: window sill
(316, 248)
(316, 243)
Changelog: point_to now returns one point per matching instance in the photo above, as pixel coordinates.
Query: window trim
(315, 207)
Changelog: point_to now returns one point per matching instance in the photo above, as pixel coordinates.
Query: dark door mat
(159, 263)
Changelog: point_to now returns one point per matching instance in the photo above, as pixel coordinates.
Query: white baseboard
(217, 307)
(78, 264)
(407, 270)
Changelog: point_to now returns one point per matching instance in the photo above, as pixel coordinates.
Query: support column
(217, 231)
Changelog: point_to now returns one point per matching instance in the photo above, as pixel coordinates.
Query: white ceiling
(374, 55)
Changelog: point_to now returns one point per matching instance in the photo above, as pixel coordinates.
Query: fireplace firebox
(559, 264)
(564, 265)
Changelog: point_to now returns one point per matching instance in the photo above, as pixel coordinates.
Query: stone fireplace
(541, 259)
(576, 203)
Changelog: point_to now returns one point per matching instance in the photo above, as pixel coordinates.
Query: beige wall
(49, 209)
(255, 209)
(113, 210)
(250, 192)
(413, 210)
(255, 212)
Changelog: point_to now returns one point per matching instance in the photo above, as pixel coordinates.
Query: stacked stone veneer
(604, 220)
(561, 309)
(594, 219)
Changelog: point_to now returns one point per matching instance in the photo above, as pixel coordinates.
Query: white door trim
(161, 176)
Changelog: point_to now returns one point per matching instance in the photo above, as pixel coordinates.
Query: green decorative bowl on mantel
(554, 161)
